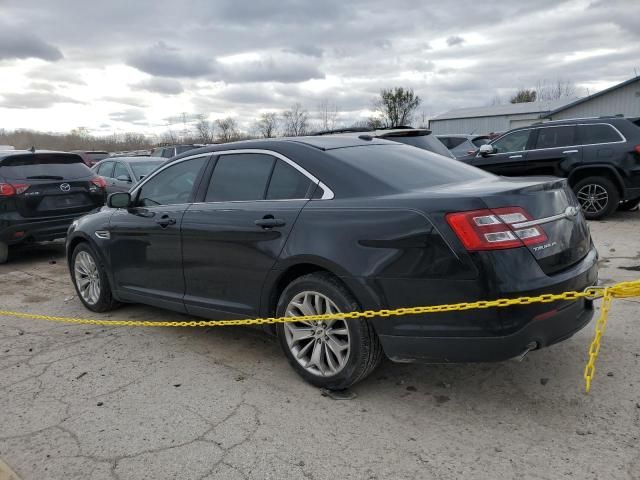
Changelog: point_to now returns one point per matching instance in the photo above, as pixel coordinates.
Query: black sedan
(294, 227)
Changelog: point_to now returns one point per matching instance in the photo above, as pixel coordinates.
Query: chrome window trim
(624, 139)
(327, 193)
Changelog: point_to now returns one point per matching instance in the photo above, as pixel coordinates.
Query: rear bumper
(542, 333)
(36, 229)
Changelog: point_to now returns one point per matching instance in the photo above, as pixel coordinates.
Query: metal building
(495, 118)
(621, 99)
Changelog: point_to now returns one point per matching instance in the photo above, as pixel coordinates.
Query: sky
(139, 65)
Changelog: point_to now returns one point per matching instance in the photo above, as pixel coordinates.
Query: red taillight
(8, 189)
(471, 152)
(99, 182)
(493, 229)
(637, 149)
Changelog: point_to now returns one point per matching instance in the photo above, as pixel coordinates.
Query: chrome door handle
(515, 156)
(570, 151)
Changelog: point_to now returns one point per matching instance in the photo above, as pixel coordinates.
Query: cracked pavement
(93, 403)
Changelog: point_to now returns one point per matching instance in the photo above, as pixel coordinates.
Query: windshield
(44, 166)
(141, 169)
(404, 168)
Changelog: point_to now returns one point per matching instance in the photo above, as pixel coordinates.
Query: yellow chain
(619, 290)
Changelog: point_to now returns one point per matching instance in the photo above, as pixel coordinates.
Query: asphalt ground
(83, 402)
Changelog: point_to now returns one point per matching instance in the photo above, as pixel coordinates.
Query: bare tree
(267, 125)
(296, 121)
(554, 90)
(396, 106)
(205, 130)
(228, 128)
(524, 95)
(328, 114)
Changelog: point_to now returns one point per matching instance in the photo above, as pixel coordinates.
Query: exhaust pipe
(530, 346)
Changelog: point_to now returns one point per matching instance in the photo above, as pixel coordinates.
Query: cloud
(20, 43)
(166, 86)
(283, 69)
(34, 99)
(124, 100)
(308, 50)
(454, 40)
(165, 61)
(131, 115)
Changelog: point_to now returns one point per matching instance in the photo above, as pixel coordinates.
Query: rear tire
(358, 349)
(598, 197)
(4, 252)
(629, 205)
(90, 279)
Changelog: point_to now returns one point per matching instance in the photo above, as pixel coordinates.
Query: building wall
(624, 100)
(483, 125)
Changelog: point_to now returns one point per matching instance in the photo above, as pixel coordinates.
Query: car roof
(140, 159)
(461, 135)
(328, 142)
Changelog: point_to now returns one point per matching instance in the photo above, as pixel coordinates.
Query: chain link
(619, 290)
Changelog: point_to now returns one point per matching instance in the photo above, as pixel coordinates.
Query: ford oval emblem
(65, 187)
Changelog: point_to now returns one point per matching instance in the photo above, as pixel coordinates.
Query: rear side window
(240, 176)
(426, 142)
(598, 133)
(556, 137)
(44, 166)
(105, 169)
(121, 171)
(287, 183)
(404, 168)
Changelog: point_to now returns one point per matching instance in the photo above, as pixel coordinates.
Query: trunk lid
(51, 184)
(554, 209)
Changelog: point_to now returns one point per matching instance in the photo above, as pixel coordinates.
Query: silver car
(121, 173)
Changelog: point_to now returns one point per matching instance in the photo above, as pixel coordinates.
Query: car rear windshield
(144, 169)
(404, 168)
(426, 142)
(43, 166)
(97, 156)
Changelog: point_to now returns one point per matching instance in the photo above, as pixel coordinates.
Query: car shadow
(20, 255)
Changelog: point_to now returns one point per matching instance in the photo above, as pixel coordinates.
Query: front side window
(598, 133)
(240, 176)
(173, 185)
(556, 137)
(287, 183)
(512, 142)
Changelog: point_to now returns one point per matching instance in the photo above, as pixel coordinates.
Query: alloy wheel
(593, 198)
(320, 347)
(87, 277)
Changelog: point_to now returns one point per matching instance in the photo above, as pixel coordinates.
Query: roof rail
(395, 127)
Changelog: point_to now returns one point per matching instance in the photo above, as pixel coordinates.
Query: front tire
(330, 354)
(90, 280)
(598, 197)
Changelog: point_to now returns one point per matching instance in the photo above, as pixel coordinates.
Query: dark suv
(41, 193)
(599, 156)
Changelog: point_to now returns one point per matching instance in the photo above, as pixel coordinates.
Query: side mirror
(119, 200)
(124, 178)
(487, 150)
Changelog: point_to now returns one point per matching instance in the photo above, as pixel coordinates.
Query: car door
(121, 181)
(555, 150)
(233, 237)
(146, 251)
(509, 157)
